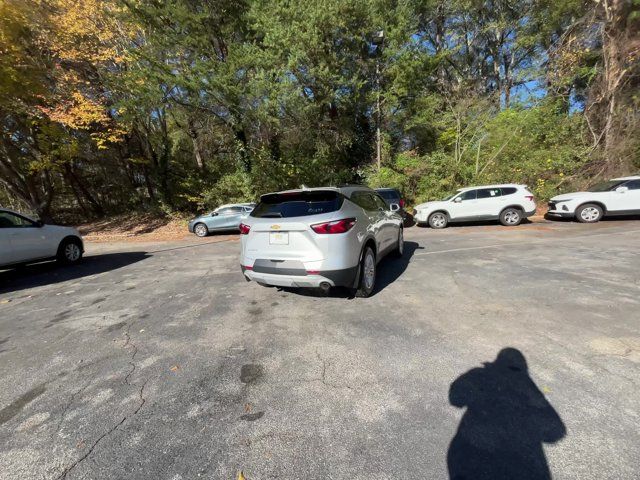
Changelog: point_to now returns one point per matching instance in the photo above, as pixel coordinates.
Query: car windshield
(297, 204)
(449, 197)
(605, 186)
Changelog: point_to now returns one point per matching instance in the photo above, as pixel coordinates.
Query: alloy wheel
(72, 252)
(590, 214)
(438, 220)
(369, 271)
(201, 230)
(512, 217)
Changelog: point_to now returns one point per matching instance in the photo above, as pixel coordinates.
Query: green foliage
(113, 105)
(232, 188)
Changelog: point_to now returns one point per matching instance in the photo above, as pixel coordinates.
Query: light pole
(378, 41)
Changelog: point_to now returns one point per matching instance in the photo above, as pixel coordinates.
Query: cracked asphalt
(486, 352)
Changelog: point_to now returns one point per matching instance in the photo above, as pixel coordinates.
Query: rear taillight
(529, 197)
(401, 203)
(244, 229)
(337, 226)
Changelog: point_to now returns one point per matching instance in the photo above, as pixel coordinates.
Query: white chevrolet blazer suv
(509, 203)
(24, 240)
(619, 196)
(320, 238)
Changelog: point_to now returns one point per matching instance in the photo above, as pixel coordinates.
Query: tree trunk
(72, 178)
(193, 134)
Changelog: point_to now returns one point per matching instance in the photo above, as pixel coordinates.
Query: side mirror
(394, 207)
(457, 200)
(214, 214)
(622, 189)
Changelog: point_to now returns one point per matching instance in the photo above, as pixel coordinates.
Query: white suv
(320, 237)
(509, 203)
(620, 196)
(24, 240)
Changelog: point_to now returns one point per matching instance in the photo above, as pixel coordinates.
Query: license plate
(279, 238)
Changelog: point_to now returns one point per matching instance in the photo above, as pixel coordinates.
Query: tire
(511, 217)
(589, 213)
(69, 251)
(201, 230)
(367, 281)
(399, 250)
(438, 220)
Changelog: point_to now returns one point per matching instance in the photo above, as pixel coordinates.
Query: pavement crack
(129, 343)
(132, 366)
(142, 400)
(323, 375)
(111, 430)
(68, 405)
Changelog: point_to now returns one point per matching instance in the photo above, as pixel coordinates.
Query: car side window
(488, 193)
(224, 211)
(10, 220)
(380, 203)
(364, 200)
(508, 191)
(632, 185)
(468, 195)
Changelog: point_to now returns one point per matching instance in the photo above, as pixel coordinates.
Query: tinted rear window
(489, 193)
(297, 204)
(509, 191)
(388, 194)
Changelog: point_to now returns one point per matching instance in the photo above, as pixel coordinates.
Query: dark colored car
(391, 195)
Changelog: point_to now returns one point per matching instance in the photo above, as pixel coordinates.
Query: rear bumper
(530, 213)
(300, 279)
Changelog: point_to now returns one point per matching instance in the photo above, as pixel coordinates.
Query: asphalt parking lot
(485, 350)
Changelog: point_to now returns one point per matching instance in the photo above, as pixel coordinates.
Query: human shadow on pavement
(47, 273)
(506, 422)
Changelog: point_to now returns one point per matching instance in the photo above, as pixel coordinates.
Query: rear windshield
(297, 204)
(388, 194)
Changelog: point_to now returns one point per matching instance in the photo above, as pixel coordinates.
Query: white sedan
(24, 240)
(619, 196)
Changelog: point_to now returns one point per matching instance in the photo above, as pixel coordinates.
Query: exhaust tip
(325, 286)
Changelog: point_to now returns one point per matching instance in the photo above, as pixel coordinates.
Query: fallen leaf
(175, 368)
(5, 301)
(142, 330)
(247, 407)
(241, 476)
(546, 389)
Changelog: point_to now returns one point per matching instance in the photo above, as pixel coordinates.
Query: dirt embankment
(136, 227)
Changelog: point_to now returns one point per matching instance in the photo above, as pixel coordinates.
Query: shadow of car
(47, 273)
